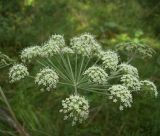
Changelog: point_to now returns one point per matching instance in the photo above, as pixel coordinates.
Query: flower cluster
(58, 40)
(49, 50)
(85, 44)
(148, 85)
(144, 50)
(67, 50)
(75, 108)
(139, 49)
(131, 82)
(52, 46)
(96, 75)
(122, 94)
(128, 69)
(47, 79)
(17, 72)
(110, 60)
(100, 53)
(30, 52)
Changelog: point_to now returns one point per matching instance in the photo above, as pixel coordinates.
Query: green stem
(93, 91)
(65, 63)
(59, 71)
(83, 78)
(70, 67)
(65, 83)
(133, 55)
(60, 65)
(41, 63)
(75, 89)
(80, 71)
(75, 67)
(18, 126)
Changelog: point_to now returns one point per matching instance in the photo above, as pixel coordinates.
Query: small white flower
(30, 52)
(121, 107)
(110, 60)
(75, 108)
(149, 85)
(96, 75)
(47, 79)
(128, 69)
(131, 82)
(85, 45)
(120, 93)
(17, 72)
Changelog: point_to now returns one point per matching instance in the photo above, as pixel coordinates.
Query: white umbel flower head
(110, 60)
(128, 69)
(52, 46)
(47, 79)
(85, 44)
(120, 93)
(96, 75)
(17, 72)
(58, 40)
(67, 50)
(131, 82)
(30, 52)
(149, 85)
(75, 108)
(48, 50)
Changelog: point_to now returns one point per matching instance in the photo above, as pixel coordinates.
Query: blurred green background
(29, 22)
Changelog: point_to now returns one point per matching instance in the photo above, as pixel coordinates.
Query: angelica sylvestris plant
(86, 69)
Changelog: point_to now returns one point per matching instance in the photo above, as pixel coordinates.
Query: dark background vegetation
(29, 22)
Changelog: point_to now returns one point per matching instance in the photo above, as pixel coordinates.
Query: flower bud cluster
(128, 69)
(85, 44)
(17, 72)
(52, 46)
(131, 82)
(47, 79)
(75, 108)
(96, 75)
(140, 49)
(49, 50)
(149, 86)
(30, 52)
(120, 93)
(58, 40)
(110, 60)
